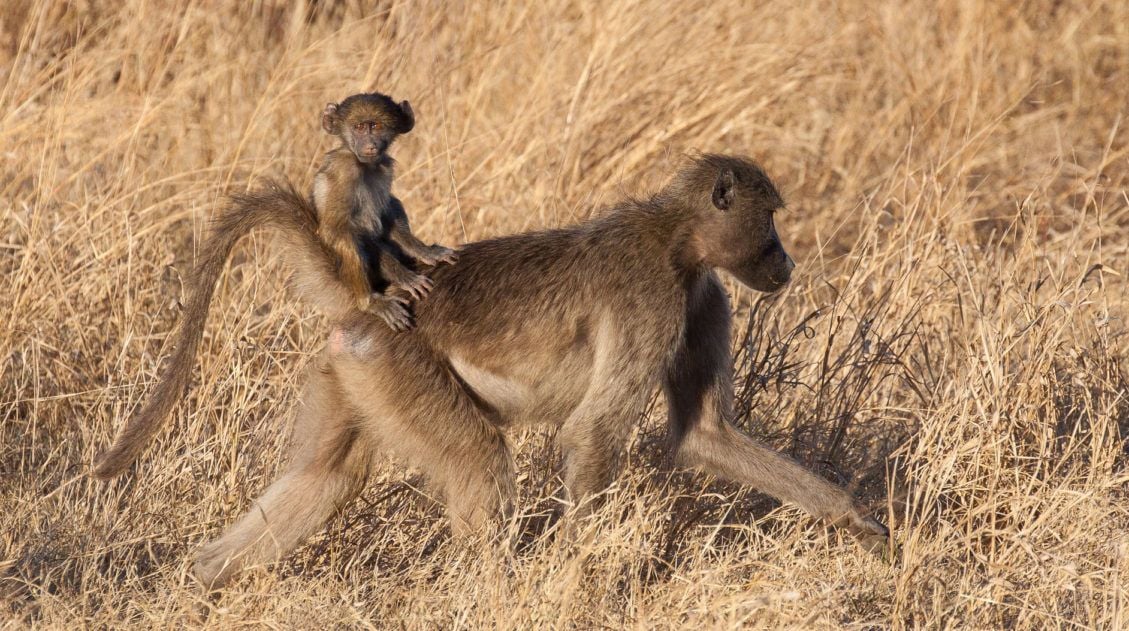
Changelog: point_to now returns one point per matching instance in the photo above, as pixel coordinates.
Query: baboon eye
(359, 126)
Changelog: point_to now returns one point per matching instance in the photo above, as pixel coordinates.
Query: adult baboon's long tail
(280, 207)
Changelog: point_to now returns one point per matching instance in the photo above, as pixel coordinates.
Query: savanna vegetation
(952, 347)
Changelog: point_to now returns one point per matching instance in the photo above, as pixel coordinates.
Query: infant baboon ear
(723, 190)
(329, 118)
(407, 118)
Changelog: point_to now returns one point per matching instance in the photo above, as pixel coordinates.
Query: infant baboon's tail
(279, 207)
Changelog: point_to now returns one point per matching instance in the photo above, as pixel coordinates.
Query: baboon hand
(393, 310)
(437, 254)
(417, 285)
(870, 533)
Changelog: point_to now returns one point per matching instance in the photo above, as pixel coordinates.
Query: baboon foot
(215, 566)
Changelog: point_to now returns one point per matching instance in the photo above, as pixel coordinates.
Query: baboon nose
(789, 263)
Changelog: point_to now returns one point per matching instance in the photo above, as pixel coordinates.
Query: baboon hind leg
(328, 468)
(422, 413)
(699, 390)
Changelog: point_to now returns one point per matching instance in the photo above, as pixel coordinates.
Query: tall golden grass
(952, 347)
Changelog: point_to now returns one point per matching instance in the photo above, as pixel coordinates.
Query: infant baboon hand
(393, 310)
(437, 254)
(417, 285)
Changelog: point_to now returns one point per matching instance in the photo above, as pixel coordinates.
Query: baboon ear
(329, 118)
(723, 190)
(408, 117)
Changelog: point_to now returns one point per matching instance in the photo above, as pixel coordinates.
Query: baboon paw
(439, 254)
(871, 534)
(868, 526)
(417, 285)
(875, 544)
(211, 570)
(394, 312)
(399, 322)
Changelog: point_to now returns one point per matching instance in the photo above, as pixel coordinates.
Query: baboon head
(368, 123)
(733, 202)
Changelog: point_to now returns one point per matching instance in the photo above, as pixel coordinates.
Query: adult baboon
(576, 327)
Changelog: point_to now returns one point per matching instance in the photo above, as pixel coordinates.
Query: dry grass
(950, 346)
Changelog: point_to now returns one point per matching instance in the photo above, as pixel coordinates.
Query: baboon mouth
(774, 285)
(763, 282)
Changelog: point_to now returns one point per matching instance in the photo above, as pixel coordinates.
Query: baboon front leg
(329, 466)
(592, 449)
(699, 390)
(420, 251)
(725, 451)
(401, 234)
(593, 438)
(415, 284)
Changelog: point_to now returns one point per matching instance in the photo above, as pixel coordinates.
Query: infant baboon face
(735, 230)
(368, 123)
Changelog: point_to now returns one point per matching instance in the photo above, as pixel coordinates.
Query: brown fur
(575, 327)
(358, 216)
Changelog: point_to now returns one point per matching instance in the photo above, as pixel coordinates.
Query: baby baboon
(576, 327)
(359, 218)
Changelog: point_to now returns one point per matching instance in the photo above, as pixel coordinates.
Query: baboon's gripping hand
(436, 254)
(417, 285)
(393, 310)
